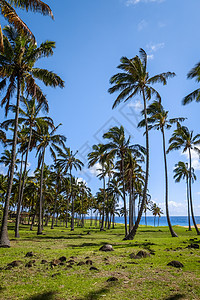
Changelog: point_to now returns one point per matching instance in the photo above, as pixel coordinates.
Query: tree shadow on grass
(93, 295)
(43, 296)
(175, 297)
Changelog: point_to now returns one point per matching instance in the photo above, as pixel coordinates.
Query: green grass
(146, 278)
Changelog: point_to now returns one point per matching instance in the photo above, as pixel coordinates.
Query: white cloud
(137, 105)
(81, 180)
(155, 47)
(3, 170)
(133, 2)
(150, 56)
(96, 169)
(195, 158)
(141, 25)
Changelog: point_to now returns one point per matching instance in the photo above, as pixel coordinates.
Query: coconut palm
(67, 161)
(158, 119)
(9, 13)
(119, 146)
(51, 140)
(98, 155)
(181, 171)
(132, 81)
(195, 95)
(17, 68)
(184, 138)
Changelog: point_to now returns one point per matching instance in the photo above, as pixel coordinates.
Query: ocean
(175, 220)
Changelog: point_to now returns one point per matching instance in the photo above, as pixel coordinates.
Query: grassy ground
(145, 278)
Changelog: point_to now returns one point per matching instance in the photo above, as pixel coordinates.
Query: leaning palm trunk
(40, 200)
(4, 240)
(190, 188)
(132, 234)
(21, 193)
(19, 203)
(166, 188)
(188, 203)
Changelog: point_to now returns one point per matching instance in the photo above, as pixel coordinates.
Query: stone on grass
(112, 279)
(140, 254)
(81, 263)
(94, 269)
(194, 246)
(106, 247)
(62, 258)
(29, 254)
(44, 261)
(30, 264)
(55, 262)
(175, 263)
(15, 263)
(88, 262)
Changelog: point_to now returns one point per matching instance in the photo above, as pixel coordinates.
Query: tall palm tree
(158, 119)
(181, 171)
(184, 138)
(120, 147)
(194, 73)
(51, 140)
(67, 162)
(17, 67)
(9, 13)
(132, 81)
(98, 155)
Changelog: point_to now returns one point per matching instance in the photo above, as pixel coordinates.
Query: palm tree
(51, 140)
(67, 162)
(17, 67)
(98, 155)
(183, 138)
(9, 13)
(158, 119)
(181, 171)
(120, 147)
(135, 80)
(195, 95)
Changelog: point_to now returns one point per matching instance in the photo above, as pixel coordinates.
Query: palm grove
(52, 193)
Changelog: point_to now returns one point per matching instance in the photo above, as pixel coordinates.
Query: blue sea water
(175, 220)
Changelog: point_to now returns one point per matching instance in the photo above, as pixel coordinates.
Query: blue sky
(91, 36)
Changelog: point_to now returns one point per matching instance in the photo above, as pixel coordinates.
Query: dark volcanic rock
(140, 254)
(89, 262)
(106, 247)
(112, 279)
(81, 263)
(55, 262)
(29, 254)
(194, 246)
(175, 263)
(15, 263)
(30, 264)
(43, 261)
(62, 258)
(94, 269)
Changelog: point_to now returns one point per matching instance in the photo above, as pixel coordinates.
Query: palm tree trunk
(130, 205)
(22, 188)
(72, 200)
(188, 202)
(104, 194)
(173, 233)
(124, 196)
(134, 230)
(54, 208)
(190, 188)
(39, 231)
(18, 203)
(4, 240)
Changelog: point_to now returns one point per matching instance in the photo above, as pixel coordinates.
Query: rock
(44, 261)
(194, 246)
(112, 279)
(175, 263)
(87, 257)
(71, 261)
(62, 258)
(88, 233)
(94, 269)
(15, 263)
(140, 254)
(55, 262)
(30, 264)
(61, 264)
(69, 266)
(81, 263)
(56, 274)
(106, 247)
(29, 254)
(89, 262)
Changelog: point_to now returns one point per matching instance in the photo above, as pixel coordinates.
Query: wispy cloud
(133, 2)
(195, 159)
(142, 24)
(155, 47)
(96, 169)
(137, 105)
